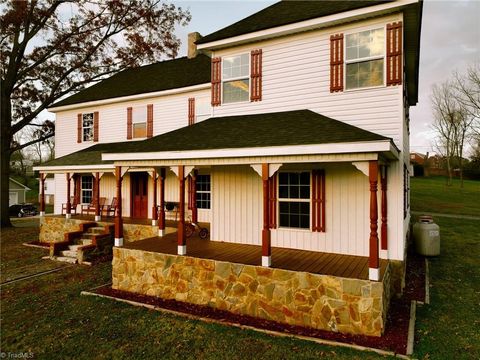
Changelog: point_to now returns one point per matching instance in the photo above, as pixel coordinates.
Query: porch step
(84, 241)
(66, 259)
(96, 230)
(69, 253)
(74, 247)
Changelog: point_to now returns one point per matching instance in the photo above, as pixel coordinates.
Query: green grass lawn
(433, 195)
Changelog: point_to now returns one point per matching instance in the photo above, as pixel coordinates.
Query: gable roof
(21, 186)
(165, 75)
(287, 12)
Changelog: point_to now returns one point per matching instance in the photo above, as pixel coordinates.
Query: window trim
(378, 57)
(309, 200)
(88, 127)
(140, 122)
(222, 81)
(82, 189)
(204, 192)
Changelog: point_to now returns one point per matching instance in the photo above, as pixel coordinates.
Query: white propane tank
(427, 236)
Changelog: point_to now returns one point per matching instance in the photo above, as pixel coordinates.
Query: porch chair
(90, 208)
(73, 206)
(110, 209)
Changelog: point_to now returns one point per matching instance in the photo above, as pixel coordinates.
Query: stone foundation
(135, 232)
(297, 298)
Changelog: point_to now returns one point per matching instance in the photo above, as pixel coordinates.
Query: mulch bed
(394, 338)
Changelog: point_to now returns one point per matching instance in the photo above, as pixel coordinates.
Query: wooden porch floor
(348, 266)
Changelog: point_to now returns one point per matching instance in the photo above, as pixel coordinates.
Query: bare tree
(467, 93)
(51, 48)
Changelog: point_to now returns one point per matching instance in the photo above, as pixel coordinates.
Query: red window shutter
(272, 200)
(149, 120)
(394, 54)
(79, 128)
(336, 63)
(191, 111)
(216, 81)
(318, 200)
(95, 126)
(129, 123)
(76, 188)
(256, 75)
(190, 192)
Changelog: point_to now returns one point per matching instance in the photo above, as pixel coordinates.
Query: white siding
(169, 113)
(296, 75)
(237, 212)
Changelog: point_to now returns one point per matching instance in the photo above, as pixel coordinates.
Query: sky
(450, 41)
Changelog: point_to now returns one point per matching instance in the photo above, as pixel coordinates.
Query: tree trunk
(6, 138)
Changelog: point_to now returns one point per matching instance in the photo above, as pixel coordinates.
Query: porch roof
(257, 131)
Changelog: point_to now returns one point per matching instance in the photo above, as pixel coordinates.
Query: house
(16, 192)
(286, 134)
(417, 164)
(417, 158)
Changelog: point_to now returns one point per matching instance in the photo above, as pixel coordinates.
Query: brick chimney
(192, 47)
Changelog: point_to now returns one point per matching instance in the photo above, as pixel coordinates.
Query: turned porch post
(182, 244)
(68, 213)
(383, 232)
(118, 215)
(98, 216)
(154, 205)
(161, 213)
(266, 245)
(42, 194)
(194, 197)
(373, 263)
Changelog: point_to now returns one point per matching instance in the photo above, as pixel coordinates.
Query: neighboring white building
(302, 116)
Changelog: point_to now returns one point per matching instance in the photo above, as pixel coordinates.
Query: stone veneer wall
(297, 298)
(52, 229)
(135, 232)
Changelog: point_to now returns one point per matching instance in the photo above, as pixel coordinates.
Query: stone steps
(66, 259)
(74, 247)
(69, 253)
(96, 230)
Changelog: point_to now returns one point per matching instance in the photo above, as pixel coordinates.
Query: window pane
(139, 114)
(87, 126)
(235, 66)
(283, 178)
(86, 189)
(295, 214)
(203, 191)
(283, 192)
(365, 44)
(305, 192)
(235, 91)
(366, 73)
(140, 130)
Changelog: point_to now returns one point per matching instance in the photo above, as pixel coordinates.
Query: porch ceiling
(348, 266)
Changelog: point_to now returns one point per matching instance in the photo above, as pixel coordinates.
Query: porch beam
(266, 239)
(42, 194)
(374, 262)
(384, 226)
(118, 215)
(68, 213)
(154, 205)
(98, 215)
(181, 237)
(161, 213)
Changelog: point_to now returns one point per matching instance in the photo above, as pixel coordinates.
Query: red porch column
(194, 197)
(161, 213)
(383, 232)
(68, 213)
(118, 215)
(182, 244)
(42, 194)
(373, 263)
(98, 216)
(266, 245)
(154, 202)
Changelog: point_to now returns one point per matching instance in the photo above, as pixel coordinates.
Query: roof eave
(306, 25)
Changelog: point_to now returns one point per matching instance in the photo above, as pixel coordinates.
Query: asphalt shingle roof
(165, 75)
(286, 12)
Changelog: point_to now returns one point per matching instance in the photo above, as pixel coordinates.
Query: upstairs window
(235, 78)
(87, 127)
(139, 121)
(364, 58)
(294, 199)
(203, 109)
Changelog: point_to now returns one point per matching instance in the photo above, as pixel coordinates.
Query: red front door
(139, 195)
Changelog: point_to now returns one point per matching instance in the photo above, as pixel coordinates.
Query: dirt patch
(415, 278)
